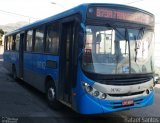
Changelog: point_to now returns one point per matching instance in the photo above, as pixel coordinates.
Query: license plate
(127, 102)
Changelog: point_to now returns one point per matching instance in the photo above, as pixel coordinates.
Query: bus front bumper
(91, 105)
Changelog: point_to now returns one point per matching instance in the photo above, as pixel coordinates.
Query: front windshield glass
(141, 46)
(108, 50)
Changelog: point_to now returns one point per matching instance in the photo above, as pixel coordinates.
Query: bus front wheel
(52, 96)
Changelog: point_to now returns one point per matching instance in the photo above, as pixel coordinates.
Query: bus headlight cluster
(92, 91)
(149, 90)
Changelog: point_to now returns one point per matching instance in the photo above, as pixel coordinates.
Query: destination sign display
(126, 15)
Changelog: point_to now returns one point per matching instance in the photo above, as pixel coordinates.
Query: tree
(1, 32)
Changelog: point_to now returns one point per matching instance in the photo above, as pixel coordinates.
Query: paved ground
(20, 102)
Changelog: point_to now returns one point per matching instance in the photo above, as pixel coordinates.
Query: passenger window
(39, 36)
(13, 44)
(29, 40)
(17, 40)
(52, 39)
(10, 43)
(6, 43)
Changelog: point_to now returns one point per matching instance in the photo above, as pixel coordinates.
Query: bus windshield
(111, 50)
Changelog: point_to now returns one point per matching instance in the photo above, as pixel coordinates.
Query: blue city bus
(95, 58)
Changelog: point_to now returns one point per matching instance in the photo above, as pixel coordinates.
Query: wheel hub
(51, 94)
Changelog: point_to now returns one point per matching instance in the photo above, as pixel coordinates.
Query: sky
(12, 11)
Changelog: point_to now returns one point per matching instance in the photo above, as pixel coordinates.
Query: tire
(52, 96)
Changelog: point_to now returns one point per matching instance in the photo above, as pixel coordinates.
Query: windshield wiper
(141, 32)
(136, 48)
(139, 36)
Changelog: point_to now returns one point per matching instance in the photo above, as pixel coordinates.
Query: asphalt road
(20, 102)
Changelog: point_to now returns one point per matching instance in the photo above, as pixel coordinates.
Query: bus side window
(52, 39)
(5, 43)
(39, 36)
(29, 40)
(17, 40)
(13, 42)
(10, 41)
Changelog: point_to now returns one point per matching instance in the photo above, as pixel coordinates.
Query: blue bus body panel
(28, 68)
(11, 58)
(28, 61)
(36, 70)
(7, 60)
(52, 71)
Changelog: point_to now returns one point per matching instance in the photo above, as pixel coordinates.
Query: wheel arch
(48, 80)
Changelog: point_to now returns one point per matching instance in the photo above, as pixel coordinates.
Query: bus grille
(126, 94)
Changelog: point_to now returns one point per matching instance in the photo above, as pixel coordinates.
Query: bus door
(66, 61)
(21, 49)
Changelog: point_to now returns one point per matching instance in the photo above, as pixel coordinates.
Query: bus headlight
(89, 88)
(147, 91)
(103, 96)
(94, 92)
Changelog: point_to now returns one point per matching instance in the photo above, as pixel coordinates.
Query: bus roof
(81, 9)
